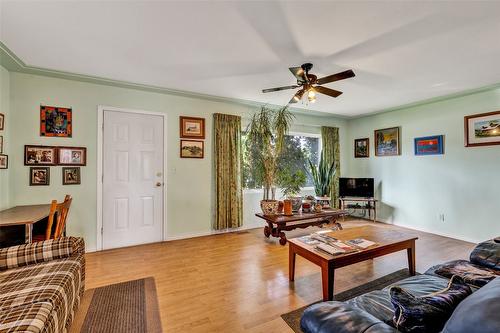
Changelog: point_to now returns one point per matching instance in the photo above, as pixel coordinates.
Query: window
(298, 149)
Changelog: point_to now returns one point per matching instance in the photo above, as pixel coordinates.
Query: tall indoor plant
(266, 134)
(322, 176)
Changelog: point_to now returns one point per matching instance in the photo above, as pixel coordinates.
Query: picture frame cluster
(192, 128)
(4, 159)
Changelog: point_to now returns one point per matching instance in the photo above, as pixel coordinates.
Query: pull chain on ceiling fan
(310, 83)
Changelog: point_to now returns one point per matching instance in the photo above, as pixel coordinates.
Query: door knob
(158, 184)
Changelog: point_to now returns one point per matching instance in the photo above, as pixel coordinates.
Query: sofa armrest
(338, 317)
(28, 254)
(486, 254)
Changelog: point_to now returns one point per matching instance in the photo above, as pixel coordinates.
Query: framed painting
(71, 175)
(55, 121)
(72, 156)
(482, 129)
(429, 145)
(192, 149)
(387, 142)
(2, 121)
(362, 148)
(40, 155)
(4, 161)
(191, 127)
(39, 176)
(1, 144)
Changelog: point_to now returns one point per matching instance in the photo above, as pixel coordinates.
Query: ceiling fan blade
(297, 97)
(336, 77)
(327, 91)
(279, 88)
(298, 72)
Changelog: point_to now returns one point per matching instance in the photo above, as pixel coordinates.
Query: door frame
(100, 172)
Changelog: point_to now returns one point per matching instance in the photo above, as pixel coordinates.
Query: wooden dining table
(24, 215)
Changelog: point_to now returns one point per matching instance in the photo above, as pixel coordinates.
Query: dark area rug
(293, 318)
(130, 307)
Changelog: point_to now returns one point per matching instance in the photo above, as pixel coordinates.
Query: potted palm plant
(291, 184)
(322, 176)
(266, 133)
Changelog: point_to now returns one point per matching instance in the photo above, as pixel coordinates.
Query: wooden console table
(277, 224)
(370, 204)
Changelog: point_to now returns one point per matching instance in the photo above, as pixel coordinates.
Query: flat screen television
(356, 187)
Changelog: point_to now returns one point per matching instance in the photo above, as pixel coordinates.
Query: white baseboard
(212, 232)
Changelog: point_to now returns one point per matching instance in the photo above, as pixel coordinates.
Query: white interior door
(133, 151)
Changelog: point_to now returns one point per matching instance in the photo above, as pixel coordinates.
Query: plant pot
(296, 203)
(269, 207)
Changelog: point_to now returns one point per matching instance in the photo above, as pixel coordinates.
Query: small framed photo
(39, 176)
(429, 145)
(387, 142)
(4, 161)
(482, 129)
(1, 144)
(40, 155)
(362, 148)
(55, 121)
(191, 127)
(71, 175)
(2, 121)
(192, 149)
(72, 156)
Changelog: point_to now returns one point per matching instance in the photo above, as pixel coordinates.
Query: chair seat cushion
(477, 313)
(472, 274)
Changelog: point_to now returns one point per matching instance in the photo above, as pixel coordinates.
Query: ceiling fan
(310, 83)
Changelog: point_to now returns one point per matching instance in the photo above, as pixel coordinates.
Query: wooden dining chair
(59, 213)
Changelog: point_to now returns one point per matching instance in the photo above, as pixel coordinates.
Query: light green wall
(463, 184)
(5, 193)
(189, 181)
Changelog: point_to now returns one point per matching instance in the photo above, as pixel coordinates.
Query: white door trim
(100, 142)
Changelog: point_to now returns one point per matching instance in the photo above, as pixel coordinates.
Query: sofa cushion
(487, 254)
(28, 318)
(473, 274)
(480, 310)
(428, 313)
(57, 282)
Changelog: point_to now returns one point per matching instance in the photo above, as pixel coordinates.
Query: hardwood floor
(238, 282)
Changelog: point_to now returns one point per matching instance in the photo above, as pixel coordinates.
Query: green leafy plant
(266, 137)
(322, 176)
(291, 184)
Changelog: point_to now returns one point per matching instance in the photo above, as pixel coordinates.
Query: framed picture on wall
(55, 121)
(429, 145)
(4, 161)
(387, 142)
(40, 155)
(191, 127)
(362, 148)
(1, 144)
(39, 176)
(2, 121)
(71, 175)
(192, 149)
(482, 129)
(72, 155)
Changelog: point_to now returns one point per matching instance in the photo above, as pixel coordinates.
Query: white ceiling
(402, 52)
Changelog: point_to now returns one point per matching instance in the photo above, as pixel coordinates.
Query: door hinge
(102, 230)
(102, 178)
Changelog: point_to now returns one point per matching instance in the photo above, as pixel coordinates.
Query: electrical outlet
(441, 217)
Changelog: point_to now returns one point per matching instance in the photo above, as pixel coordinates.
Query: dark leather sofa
(373, 311)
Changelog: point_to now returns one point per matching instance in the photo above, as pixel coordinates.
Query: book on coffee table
(361, 242)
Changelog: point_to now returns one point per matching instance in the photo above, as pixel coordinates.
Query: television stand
(369, 204)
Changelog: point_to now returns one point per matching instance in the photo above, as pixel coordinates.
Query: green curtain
(228, 177)
(331, 153)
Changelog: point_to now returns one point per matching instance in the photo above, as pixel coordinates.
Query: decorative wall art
(482, 129)
(1, 144)
(72, 155)
(362, 148)
(387, 142)
(40, 155)
(429, 145)
(39, 176)
(191, 127)
(55, 121)
(71, 175)
(192, 149)
(2, 121)
(4, 161)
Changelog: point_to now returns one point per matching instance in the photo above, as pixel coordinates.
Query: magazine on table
(361, 243)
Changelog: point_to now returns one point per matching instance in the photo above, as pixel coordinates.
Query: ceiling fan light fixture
(311, 94)
(312, 98)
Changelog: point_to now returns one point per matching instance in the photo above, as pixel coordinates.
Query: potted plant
(291, 185)
(266, 135)
(322, 176)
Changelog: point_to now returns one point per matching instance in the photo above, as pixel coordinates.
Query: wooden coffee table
(388, 241)
(277, 224)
